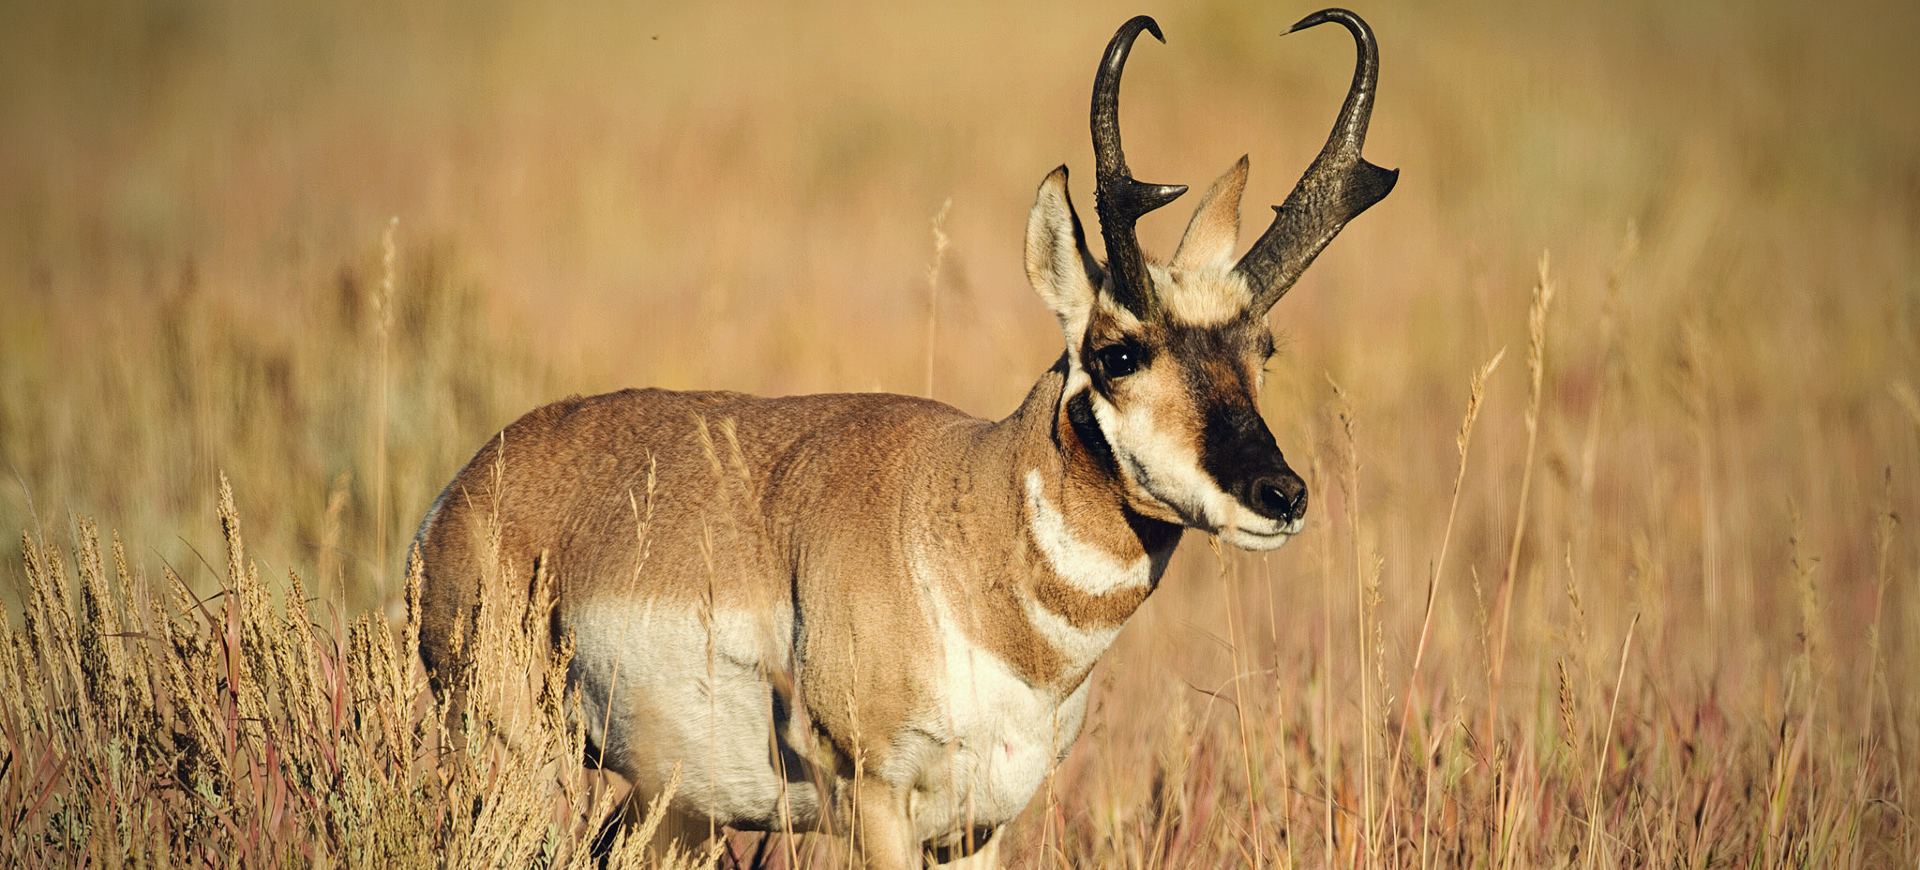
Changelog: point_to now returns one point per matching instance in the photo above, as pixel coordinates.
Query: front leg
(882, 834)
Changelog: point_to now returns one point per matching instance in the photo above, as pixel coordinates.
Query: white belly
(658, 690)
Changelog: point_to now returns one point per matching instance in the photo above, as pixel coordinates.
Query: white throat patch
(1084, 566)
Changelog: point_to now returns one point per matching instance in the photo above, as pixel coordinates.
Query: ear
(1215, 228)
(1061, 268)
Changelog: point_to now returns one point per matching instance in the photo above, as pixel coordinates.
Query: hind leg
(673, 833)
(985, 855)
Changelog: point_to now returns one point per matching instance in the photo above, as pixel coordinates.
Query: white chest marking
(980, 755)
(1084, 566)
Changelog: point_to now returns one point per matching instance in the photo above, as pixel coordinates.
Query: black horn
(1118, 197)
(1337, 187)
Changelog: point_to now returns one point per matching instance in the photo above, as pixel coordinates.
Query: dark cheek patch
(1087, 430)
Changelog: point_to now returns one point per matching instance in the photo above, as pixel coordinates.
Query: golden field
(1659, 606)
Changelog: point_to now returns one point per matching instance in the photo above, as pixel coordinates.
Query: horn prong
(1119, 198)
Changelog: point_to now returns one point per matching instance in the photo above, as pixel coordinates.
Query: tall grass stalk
(1536, 368)
(1601, 748)
(383, 334)
(1476, 392)
(1241, 714)
(1350, 491)
(940, 243)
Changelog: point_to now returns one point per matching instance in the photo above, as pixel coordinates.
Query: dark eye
(1117, 360)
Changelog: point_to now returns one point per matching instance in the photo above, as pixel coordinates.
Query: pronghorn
(876, 614)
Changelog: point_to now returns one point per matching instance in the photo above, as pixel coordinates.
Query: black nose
(1238, 450)
(1280, 497)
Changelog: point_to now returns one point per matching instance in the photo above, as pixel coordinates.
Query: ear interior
(1215, 228)
(1062, 270)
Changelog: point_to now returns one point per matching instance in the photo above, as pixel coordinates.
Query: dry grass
(1642, 594)
(156, 729)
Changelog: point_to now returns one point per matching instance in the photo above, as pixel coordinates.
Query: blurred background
(197, 198)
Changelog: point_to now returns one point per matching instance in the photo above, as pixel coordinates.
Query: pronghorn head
(1165, 361)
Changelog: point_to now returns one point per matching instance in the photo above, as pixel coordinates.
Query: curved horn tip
(1144, 22)
(1351, 21)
